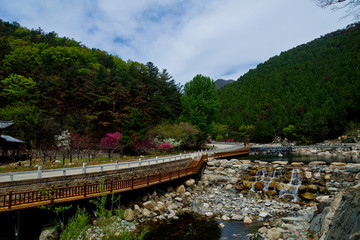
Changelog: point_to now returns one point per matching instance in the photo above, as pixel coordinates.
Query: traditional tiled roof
(6, 124)
(11, 139)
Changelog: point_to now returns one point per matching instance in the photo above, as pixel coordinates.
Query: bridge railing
(52, 195)
(40, 173)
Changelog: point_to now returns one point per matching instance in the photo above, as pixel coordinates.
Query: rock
(338, 164)
(180, 189)
(262, 230)
(247, 220)
(297, 164)
(264, 214)
(322, 198)
(259, 185)
(190, 183)
(308, 196)
(280, 163)
(239, 187)
(237, 217)
(148, 204)
(227, 187)
(179, 199)
(209, 214)
(274, 234)
(312, 188)
(248, 184)
(187, 194)
(308, 174)
(317, 163)
(225, 218)
(271, 193)
(211, 164)
(354, 169)
(317, 176)
(49, 234)
(146, 213)
(328, 216)
(129, 215)
(245, 161)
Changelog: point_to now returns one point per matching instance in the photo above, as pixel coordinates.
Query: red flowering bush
(165, 147)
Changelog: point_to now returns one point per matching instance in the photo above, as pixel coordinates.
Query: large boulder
(129, 215)
(49, 234)
(274, 234)
(180, 189)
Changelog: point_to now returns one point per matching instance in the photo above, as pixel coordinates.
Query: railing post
(52, 193)
(179, 173)
(147, 179)
(39, 171)
(111, 185)
(85, 188)
(64, 172)
(10, 198)
(159, 176)
(132, 182)
(84, 167)
(11, 177)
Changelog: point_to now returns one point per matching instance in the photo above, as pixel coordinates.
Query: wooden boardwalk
(236, 153)
(21, 200)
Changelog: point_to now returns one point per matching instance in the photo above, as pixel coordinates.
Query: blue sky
(215, 38)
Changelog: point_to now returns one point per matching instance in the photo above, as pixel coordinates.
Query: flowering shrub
(110, 141)
(165, 147)
(230, 140)
(63, 140)
(173, 142)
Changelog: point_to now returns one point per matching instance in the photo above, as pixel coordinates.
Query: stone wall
(73, 180)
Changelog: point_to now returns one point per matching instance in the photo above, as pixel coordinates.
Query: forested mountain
(221, 82)
(310, 92)
(49, 84)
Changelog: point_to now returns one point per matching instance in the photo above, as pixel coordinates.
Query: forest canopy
(49, 84)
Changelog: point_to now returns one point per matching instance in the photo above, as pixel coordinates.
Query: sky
(215, 38)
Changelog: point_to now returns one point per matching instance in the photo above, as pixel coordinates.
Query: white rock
(209, 214)
(225, 218)
(247, 220)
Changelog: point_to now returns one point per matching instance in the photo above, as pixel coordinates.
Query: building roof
(5, 124)
(11, 139)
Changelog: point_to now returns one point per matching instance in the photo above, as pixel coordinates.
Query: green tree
(200, 102)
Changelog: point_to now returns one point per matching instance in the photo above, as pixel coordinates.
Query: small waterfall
(259, 172)
(267, 184)
(292, 187)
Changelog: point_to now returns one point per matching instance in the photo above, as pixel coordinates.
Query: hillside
(219, 83)
(307, 93)
(49, 84)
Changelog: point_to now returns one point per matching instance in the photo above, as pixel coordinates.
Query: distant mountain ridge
(221, 82)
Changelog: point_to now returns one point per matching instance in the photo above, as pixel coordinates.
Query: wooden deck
(237, 153)
(21, 200)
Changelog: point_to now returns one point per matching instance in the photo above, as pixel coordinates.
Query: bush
(76, 226)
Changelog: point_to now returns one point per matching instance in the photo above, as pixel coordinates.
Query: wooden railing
(20, 200)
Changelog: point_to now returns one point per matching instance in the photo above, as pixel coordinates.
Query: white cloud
(217, 38)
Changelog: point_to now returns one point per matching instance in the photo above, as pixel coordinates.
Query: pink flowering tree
(110, 142)
(165, 147)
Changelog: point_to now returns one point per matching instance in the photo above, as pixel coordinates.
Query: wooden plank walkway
(21, 200)
(240, 152)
